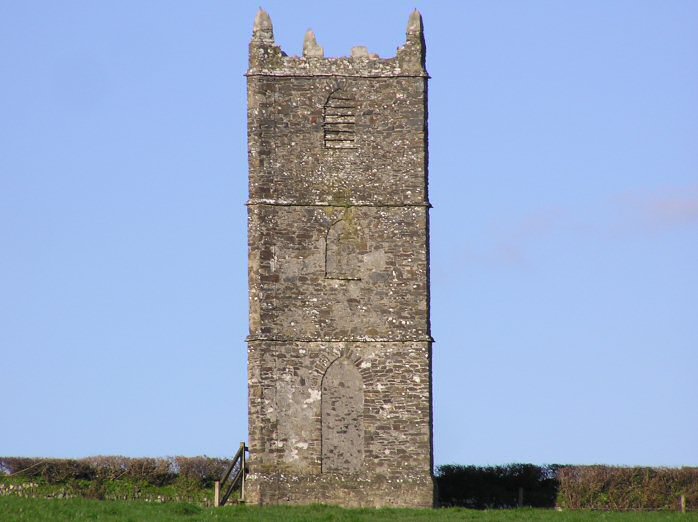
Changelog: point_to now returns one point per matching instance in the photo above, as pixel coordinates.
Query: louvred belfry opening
(339, 121)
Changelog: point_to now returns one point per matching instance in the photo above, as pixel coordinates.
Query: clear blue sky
(564, 179)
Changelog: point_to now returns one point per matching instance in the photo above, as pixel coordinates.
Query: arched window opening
(343, 249)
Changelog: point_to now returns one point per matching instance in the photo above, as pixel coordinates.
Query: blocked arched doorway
(342, 418)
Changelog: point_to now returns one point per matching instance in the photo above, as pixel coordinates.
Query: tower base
(348, 490)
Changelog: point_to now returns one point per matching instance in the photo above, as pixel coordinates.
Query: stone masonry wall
(293, 297)
(339, 351)
(285, 382)
(286, 139)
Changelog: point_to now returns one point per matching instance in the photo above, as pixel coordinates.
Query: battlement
(268, 59)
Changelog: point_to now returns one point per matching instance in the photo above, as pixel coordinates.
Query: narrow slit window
(339, 121)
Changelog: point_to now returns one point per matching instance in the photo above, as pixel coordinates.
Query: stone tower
(339, 347)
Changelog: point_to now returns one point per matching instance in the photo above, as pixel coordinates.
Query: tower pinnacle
(263, 29)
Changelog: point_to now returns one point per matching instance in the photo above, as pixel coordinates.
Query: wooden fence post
(682, 503)
(217, 493)
(520, 497)
(244, 466)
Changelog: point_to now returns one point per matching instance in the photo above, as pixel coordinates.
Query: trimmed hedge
(199, 471)
(476, 487)
(611, 488)
(627, 489)
(488, 487)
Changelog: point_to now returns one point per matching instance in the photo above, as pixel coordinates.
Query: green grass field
(13, 509)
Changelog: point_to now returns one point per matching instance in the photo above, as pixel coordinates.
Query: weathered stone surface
(311, 49)
(263, 31)
(342, 418)
(339, 350)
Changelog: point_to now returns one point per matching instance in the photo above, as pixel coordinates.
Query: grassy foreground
(13, 509)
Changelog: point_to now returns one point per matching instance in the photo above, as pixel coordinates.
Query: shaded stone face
(339, 351)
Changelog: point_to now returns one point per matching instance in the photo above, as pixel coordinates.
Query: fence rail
(233, 480)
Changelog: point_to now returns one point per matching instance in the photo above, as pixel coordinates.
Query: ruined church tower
(339, 348)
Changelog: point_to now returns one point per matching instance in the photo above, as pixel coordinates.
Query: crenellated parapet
(268, 59)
